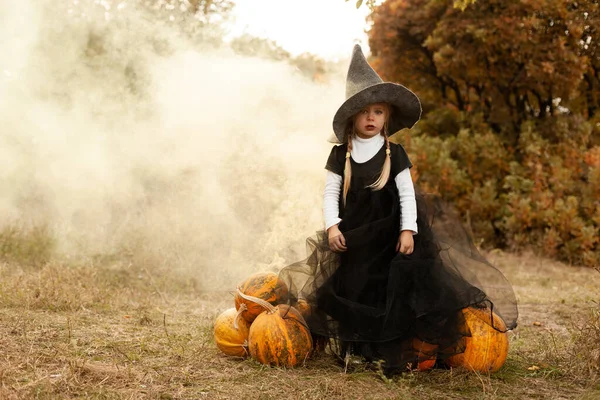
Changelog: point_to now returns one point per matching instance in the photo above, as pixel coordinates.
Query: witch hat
(364, 87)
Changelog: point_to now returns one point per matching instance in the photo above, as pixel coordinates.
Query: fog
(123, 134)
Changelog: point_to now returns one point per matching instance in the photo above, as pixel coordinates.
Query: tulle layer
(383, 305)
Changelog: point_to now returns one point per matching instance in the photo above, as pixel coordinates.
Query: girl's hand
(337, 241)
(406, 243)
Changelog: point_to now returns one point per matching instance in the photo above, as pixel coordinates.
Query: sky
(328, 28)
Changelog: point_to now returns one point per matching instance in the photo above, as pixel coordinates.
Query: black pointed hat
(364, 87)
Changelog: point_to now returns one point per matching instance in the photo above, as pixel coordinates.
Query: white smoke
(121, 132)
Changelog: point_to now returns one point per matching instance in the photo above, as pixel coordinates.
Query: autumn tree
(510, 60)
(510, 131)
(310, 65)
(587, 15)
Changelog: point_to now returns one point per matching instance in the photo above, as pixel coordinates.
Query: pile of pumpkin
(272, 332)
(262, 325)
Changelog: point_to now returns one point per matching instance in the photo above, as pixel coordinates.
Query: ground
(116, 331)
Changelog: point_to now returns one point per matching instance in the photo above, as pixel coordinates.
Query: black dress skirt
(373, 301)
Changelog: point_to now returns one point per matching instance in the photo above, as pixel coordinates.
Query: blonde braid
(387, 164)
(348, 166)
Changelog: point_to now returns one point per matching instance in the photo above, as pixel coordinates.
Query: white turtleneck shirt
(362, 151)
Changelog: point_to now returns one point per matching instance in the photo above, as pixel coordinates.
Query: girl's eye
(379, 112)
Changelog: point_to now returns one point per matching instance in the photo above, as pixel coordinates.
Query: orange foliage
(510, 130)
(541, 195)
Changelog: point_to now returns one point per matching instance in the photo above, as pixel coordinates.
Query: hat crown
(360, 74)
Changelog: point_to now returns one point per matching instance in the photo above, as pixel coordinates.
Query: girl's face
(370, 120)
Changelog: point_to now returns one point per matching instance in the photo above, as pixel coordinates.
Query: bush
(27, 245)
(541, 194)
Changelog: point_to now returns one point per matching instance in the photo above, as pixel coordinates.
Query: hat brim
(405, 113)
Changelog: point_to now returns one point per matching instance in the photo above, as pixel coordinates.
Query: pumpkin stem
(264, 304)
(243, 307)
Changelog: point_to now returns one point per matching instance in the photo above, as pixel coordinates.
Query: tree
(511, 93)
(250, 45)
(510, 60)
(310, 65)
(586, 14)
(369, 3)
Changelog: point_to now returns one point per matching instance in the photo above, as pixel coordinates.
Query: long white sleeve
(408, 203)
(331, 199)
(362, 151)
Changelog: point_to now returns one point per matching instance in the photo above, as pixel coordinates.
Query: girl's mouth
(370, 127)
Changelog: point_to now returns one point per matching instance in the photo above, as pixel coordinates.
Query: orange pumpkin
(263, 285)
(425, 353)
(280, 336)
(487, 348)
(320, 342)
(231, 333)
(304, 308)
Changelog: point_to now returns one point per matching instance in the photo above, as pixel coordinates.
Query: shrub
(28, 245)
(542, 193)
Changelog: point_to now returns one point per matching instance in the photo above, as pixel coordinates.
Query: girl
(392, 268)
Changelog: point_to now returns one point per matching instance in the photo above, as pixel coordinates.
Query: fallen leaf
(537, 323)
(533, 368)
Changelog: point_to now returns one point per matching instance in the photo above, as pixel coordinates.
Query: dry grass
(114, 330)
(29, 245)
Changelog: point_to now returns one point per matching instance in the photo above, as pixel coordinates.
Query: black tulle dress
(372, 301)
